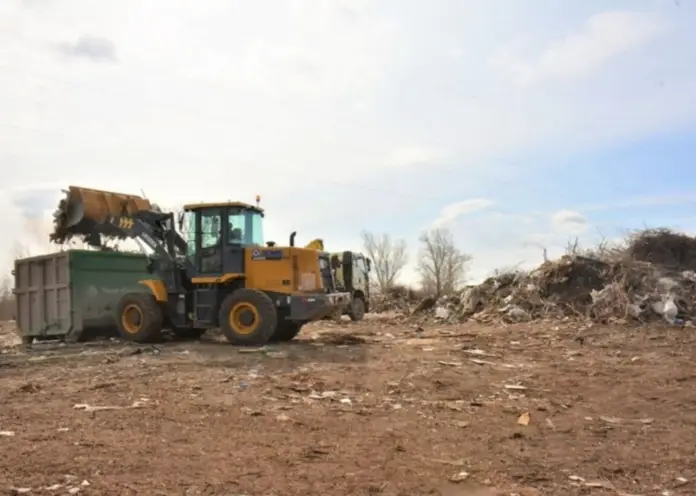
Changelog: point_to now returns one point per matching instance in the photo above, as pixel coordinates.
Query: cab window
(245, 227)
(210, 228)
(191, 235)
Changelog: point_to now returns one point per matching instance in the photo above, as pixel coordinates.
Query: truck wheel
(356, 311)
(286, 330)
(139, 317)
(248, 317)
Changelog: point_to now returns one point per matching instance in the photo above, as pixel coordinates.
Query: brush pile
(652, 277)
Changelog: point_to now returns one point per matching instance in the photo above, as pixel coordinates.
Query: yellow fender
(316, 244)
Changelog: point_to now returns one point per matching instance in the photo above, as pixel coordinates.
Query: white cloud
(604, 37)
(343, 115)
(569, 221)
(498, 239)
(453, 211)
(409, 155)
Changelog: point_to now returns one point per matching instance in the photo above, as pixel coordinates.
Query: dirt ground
(543, 408)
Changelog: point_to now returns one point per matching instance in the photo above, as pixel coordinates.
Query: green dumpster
(63, 294)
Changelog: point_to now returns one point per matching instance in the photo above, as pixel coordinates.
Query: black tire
(248, 317)
(286, 331)
(356, 310)
(139, 318)
(188, 333)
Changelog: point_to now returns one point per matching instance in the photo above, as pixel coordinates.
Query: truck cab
(352, 275)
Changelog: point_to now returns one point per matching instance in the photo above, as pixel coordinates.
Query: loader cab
(217, 233)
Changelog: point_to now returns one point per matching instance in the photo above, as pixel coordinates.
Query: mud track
(373, 408)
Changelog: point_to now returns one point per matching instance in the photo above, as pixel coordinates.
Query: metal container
(63, 294)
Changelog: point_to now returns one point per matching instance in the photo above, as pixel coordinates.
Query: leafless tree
(441, 264)
(7, 301)
(388, 257)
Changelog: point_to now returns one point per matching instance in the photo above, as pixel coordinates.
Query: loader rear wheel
(356, 310)
(248, 317)
(286, 330)
(139, 318)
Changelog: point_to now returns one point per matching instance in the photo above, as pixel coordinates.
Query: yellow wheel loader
(213, 271)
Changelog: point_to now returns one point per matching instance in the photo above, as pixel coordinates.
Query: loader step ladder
(204, 305)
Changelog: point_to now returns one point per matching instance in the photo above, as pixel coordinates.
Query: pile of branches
(651, 277)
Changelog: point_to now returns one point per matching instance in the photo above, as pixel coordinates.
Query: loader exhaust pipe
(292, 238)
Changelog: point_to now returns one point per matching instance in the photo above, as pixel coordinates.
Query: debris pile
(653, 277)
(397, 299)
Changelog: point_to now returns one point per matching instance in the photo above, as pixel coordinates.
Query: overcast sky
(515, 124)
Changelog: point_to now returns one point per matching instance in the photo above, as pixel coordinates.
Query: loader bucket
(83, 209)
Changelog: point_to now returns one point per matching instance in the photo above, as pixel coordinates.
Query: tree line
(442, 267)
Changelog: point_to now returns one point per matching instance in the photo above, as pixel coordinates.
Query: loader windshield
(245, 227)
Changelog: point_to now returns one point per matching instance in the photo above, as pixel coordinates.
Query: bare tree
(7, 300)
(388, 258)
(441, 264)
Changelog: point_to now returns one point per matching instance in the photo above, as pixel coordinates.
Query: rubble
(652, 278)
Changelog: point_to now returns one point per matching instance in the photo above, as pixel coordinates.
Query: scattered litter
(282, 418)
(20, 490)
(90, 408)
(610, 420)
(450, 364)
(681, 481)
(515, 387)
(323, 395)
(276, 354)
(7, 433)
(262, 349)
(459, 477)
(346, 401)
(251, 412)
(599, 485)
(481, 362)
(524, 419)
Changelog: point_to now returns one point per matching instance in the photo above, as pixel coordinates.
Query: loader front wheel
(139, 318)
(248, 317)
